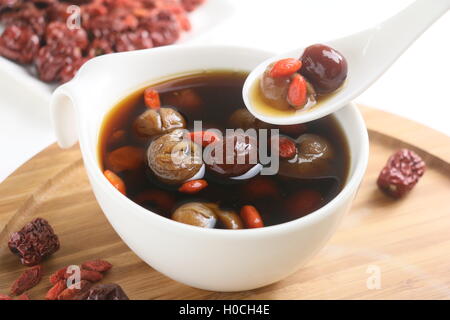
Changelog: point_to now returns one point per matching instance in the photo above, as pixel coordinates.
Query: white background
(417, 86)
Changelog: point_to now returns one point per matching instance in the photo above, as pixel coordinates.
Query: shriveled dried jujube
(34, 242)
(19, 43)
(110, 291)
(52, 59)
(401, 173)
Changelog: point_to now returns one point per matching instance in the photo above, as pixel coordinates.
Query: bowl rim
(353, 180)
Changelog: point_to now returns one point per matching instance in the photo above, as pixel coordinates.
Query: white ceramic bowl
(211, 259)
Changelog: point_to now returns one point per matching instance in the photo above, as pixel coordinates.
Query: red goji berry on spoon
(297, 92)
(285, 67)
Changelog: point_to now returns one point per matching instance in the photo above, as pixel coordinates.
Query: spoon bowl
(369, 54)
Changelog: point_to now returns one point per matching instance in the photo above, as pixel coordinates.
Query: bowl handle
(64, 116)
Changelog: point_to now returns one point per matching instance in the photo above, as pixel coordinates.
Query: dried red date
(19, 43)
(109, 291)
(115, 21)
(136, 40)
(164, 26)
(52, 60)
(34, 242)
(57, 11)
(99, 47)
(58, 32)
(401, 173)
(70, 70)
(27, 280)
(26, 14)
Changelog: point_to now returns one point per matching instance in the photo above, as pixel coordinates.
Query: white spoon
(368, 53)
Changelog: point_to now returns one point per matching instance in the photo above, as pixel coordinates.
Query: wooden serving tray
(403, 243)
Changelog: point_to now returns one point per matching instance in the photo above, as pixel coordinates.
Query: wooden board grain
(406, 243)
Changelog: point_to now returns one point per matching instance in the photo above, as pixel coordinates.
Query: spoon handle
(374, 50)
(388, 40)
(401, 30)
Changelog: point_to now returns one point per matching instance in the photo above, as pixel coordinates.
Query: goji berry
(297, 92)
(151, 97)
(285, 67)
(91, 276)
(251, 217)
(56, 290)
(27, 280)
(193, 186)
(5, 297)
(74, 290)
(97, 265)
(116, 181)
(58, 275)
